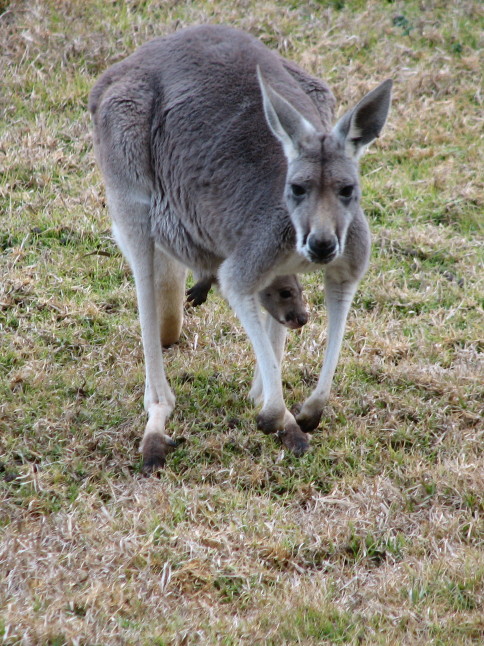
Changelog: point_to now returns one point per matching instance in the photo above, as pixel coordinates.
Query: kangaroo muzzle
(294, 320)
(322, 249)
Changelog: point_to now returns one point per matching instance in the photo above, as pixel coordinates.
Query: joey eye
(297, 190)
(285, 293)
(346, 191)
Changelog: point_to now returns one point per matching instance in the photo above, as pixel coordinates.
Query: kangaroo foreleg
(274, 416)
(277, 334)
(338, 296)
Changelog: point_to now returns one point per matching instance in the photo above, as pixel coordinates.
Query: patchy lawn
(376, 535)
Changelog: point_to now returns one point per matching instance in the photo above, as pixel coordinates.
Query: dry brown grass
(375, 536)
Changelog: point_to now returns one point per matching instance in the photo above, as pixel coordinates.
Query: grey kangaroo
(282, 299)
(219, 155)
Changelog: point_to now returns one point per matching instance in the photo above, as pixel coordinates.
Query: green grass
(373, 537)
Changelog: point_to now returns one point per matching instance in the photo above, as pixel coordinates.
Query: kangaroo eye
(346, 191)
(297, 190)
(285, 293)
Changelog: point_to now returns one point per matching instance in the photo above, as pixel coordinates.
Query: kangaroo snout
(322, 248)
(295, 320)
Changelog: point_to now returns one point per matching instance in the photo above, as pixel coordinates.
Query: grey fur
(157, 112)
(218, 155)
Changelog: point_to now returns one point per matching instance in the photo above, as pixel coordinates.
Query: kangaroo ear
(286, 123)
(359, 126)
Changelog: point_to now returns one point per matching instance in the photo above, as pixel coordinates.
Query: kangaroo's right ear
(286, 123)
(359, 126)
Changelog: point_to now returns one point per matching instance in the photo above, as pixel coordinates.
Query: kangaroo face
(283, 299)
(322, 190)
(322, 195)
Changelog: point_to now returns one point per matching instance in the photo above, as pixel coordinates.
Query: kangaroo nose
(295, 320)
(322, 249)
(302, 318)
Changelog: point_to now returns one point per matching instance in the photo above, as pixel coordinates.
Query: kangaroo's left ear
(359, 126)
(286, 122)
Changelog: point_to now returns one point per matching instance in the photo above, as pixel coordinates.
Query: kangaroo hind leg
(137, 246)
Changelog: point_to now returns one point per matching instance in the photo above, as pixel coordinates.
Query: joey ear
(287, 124)
(359, 126)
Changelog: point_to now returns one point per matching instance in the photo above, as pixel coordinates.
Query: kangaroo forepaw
(269, 422)
(155, 449)
(308, 422)
(294, 439)
(197, 295)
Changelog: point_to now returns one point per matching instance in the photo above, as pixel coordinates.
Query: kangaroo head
(322, 186)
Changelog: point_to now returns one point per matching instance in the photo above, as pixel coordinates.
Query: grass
(376, 535)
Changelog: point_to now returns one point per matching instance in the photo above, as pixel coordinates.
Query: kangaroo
(219, 155)
(282, 299)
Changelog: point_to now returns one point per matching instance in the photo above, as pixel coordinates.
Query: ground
(373, 537)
